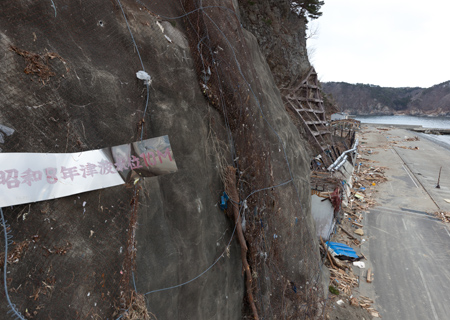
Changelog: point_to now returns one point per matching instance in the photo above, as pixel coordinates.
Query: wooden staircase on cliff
(304, 98)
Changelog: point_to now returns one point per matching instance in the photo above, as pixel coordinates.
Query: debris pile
(344, 281)
(350, 232)
(443, 216)
(366, 176)
(408, 148)
(366, 303)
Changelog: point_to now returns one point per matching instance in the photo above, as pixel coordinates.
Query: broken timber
(369, 276)
(304, 98)
(333, 261)
(348, 233)
(327, 253)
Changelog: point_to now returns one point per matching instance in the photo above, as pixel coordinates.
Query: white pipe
(339, 162)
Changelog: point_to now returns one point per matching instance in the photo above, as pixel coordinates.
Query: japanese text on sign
(30, 177)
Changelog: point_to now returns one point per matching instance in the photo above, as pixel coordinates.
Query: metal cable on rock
(131, 33)
(187, 13)
(224, 252)
(142, 75)
(54, 7)
(229, 133)
(265, 120)
(12, 306)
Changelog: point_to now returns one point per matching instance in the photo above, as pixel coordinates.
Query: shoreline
(439, 143)
(423, 158)
(411, 128)
(419, 122)
(353, 116)
(388, 125)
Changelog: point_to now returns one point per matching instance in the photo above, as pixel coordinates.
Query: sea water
(426, 122)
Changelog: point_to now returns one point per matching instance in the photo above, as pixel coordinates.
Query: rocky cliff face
(366, 99)
(281, 37)
(68, 84)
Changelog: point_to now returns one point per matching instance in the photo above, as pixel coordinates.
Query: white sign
(31, 177)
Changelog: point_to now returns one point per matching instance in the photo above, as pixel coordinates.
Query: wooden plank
(304, 122)
(358, 224)
(369, 275)
(309, 110)
(316, 133)
(328, 254)
(309, 99)
(313, 111)
(310, 86)
(305, 79)
(315, 122)
(348, 233)
(333, 261)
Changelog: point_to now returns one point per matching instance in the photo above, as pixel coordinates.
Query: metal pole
(439, 179)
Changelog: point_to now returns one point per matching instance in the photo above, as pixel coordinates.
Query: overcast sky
(391, 43)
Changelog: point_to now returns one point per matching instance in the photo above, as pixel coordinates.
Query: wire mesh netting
(63, 92)
(68, 84)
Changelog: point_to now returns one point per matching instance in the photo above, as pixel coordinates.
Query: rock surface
(281, 36)
(79, 92)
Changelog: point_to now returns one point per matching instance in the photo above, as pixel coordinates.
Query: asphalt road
(407, 248)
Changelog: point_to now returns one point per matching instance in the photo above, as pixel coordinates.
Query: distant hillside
(365, 99)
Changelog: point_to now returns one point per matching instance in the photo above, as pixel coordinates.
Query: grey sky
(396, 43)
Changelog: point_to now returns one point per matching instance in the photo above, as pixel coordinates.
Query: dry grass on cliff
(133, 307)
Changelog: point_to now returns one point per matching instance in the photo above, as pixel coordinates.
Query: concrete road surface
(407, 248)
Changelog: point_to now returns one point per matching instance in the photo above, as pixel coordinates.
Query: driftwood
(348, 233)
(347, 211)
(369, 276)
(357, 224)
(328, 254)
(230, 189)
(346, 282)
(333, 261)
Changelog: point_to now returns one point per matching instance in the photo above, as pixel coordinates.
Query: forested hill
(367, 99)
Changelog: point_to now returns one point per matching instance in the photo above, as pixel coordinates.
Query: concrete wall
(323, 213)
(339, 116)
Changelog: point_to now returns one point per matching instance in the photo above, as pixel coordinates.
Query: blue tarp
(223, 201)
(340, 249)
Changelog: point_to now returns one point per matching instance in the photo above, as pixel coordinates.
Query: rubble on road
(354, 185)
(350, 229)
(344, 281)
(409, 148)
(366, 303)
(443, 216)
(416, 138)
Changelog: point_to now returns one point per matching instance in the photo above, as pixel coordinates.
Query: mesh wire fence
(58, 65)
(67, 75)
